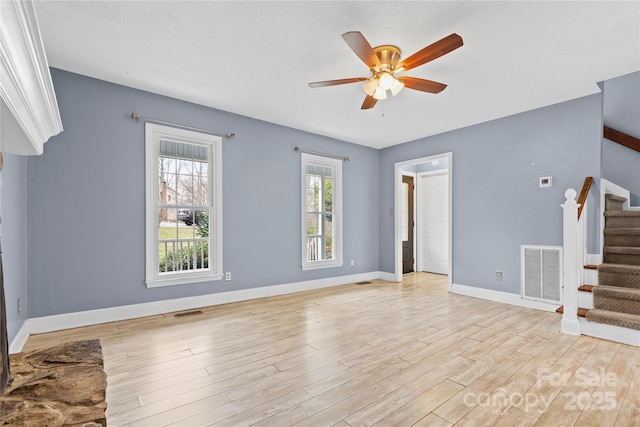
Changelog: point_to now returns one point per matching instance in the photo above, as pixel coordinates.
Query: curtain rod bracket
(137, 118)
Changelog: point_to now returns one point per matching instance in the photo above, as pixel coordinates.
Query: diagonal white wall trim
(39, 325)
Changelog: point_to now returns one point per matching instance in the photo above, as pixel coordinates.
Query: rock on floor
(63, 385)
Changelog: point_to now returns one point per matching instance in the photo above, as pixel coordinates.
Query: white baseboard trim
(39, 325)
(610, 332)
(20, 339)
(503, 297)
(390, 277)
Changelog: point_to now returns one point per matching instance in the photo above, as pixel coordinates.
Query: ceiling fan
(384, 62)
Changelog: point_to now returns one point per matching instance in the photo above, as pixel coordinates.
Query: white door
(433, 222)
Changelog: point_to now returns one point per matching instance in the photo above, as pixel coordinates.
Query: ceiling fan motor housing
(388, 55)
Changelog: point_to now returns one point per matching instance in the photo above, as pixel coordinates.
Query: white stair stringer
(609, 332)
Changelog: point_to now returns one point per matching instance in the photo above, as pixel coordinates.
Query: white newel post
(571, 264)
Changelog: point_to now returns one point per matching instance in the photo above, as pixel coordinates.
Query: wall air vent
(541, 272)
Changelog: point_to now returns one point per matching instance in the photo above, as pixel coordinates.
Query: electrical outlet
(499, 275)
(353, 263)
(19, 305)
(227, 276)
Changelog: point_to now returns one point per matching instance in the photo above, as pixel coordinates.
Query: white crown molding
(26, 88)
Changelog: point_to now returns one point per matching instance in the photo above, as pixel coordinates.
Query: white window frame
(336, 165)
(153, 134)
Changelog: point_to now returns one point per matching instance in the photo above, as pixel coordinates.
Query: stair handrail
(582, 199)
(621, 138)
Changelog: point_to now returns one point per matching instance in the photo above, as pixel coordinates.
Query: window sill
(182, 280)
(322, 264)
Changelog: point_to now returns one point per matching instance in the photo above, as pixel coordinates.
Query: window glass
(183, 224)
(321, 212)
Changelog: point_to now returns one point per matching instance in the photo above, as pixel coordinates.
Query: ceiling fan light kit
(385, 80)
(380, 93)
(397, 85)
(384, 62)
(370, 86)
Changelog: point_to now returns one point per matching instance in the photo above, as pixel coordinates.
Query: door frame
(397, 209)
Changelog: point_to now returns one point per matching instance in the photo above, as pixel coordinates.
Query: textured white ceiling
(256, 58)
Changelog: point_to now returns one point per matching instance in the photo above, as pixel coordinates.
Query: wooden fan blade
(369, 102)
(337, 82)
(431, 52)
(362, 48)
(422, 84)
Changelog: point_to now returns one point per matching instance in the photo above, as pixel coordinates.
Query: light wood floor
(381, 353)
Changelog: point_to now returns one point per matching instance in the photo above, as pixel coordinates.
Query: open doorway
(429, 210)
(408, 223)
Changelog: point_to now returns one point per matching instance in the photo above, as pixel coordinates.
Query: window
(183, 206)
(321, 212)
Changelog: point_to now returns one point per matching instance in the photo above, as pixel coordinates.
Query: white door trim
(397, 207)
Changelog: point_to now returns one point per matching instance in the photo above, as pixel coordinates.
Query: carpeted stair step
(625, 320)
(629, 237)
(613, 202)
(622, 219)
(614, 298)
(622, 255)
(627, 276)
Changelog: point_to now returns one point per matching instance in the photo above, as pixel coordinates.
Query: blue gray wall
(497, 203)
(13, 191)
(86, 196)
(86, 201)
(621, 111)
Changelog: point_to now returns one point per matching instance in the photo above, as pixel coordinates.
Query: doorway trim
(397, 209)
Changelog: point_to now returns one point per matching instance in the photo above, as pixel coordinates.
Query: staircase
(609, 309)
(616, 298)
